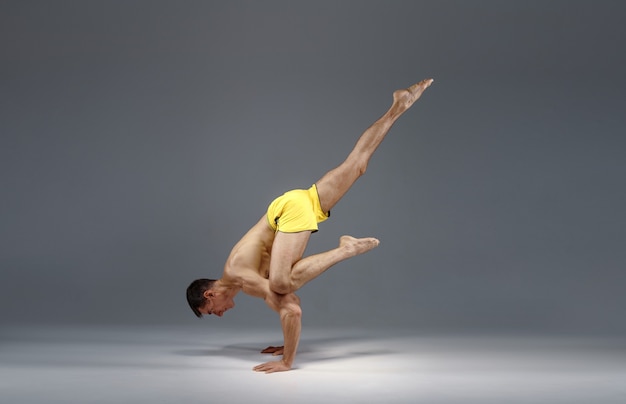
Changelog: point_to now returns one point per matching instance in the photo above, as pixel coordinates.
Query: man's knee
(359, 164)
(361, 168)
(280, 285)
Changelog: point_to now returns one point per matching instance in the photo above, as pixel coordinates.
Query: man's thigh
(287, 249)
(335, 183)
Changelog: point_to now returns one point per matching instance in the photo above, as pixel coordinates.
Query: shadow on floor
(309, 350)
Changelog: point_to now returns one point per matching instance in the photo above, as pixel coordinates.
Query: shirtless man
(267, 262)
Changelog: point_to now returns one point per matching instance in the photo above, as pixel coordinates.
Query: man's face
(217, 304)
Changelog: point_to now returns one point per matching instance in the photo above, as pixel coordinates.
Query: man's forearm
(291, 321)
(288, 308)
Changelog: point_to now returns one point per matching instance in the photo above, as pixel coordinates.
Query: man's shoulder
(252, 283)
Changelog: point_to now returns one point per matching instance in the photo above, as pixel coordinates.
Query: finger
(278, 350)
(263, 367)
(267, 369)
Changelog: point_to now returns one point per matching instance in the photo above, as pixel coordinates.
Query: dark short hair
(195, 294)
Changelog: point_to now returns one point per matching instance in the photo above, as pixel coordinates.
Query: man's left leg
(289, 272)
(336, 183)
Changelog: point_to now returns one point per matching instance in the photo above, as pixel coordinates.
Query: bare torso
(249, 259)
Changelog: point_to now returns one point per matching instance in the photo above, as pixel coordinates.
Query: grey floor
(207, 365)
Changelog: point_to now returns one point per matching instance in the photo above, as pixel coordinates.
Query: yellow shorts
(297, 210)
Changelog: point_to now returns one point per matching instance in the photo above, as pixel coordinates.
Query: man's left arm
(288, 307)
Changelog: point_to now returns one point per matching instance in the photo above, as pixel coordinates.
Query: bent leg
(313, 266)
(287, 249)
(335, 183)
(309, 268)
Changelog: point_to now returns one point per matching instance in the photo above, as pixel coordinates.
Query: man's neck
(226, 288)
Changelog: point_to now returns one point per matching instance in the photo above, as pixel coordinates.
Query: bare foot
(403, 99)
(356, 246)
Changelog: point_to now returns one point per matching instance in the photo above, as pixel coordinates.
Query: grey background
(141, 139)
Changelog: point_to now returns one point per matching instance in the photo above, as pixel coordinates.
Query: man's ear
(207, 294)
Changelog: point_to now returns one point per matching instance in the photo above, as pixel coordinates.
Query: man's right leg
(335, 183)
(311, 267)
(289, 272)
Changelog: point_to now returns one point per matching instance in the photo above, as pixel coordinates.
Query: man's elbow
(291, 311)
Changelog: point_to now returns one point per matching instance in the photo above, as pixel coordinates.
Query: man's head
(205, 298)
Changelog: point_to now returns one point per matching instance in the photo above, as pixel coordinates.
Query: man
(267, 262)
